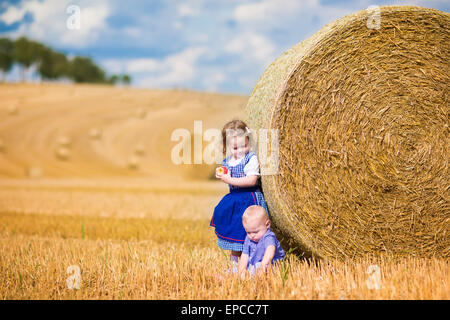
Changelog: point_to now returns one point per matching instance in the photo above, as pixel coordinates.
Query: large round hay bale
(362, 113)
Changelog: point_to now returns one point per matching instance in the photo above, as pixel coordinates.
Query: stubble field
(87, 185)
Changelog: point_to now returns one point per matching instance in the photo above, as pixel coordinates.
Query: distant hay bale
(362, 115)
(2, 146)
(62, 153)
(34, 172)
(133, 163)
(64, 141)
(13, 110)
(95, 133)
(140, 149)
(141, 113)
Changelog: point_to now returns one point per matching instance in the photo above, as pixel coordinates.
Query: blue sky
(204, 45)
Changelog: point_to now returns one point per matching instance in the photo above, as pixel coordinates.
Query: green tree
(6, 55)
(82, 69)
(27, 52)
(126, 79)
(53, 65)
(113, 79)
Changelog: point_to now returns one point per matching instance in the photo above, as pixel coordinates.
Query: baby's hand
(243, 275)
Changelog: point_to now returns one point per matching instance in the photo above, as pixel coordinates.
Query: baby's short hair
(254, 212)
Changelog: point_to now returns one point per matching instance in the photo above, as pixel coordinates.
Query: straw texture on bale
(362, 116)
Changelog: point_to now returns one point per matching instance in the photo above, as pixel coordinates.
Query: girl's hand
(218, 174)
(223, 176)
(226, 177)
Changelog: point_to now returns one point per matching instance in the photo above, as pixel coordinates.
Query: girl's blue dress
(227, 217)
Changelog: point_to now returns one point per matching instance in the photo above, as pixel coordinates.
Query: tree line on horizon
(51, 64)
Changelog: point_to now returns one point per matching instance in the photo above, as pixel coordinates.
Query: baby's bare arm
(242, 265)
(268, 256)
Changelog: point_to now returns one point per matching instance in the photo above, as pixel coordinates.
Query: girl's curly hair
(236, 127)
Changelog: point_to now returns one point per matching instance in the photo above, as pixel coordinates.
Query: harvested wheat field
(71, 202)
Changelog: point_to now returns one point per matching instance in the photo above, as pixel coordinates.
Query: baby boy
(261, 247)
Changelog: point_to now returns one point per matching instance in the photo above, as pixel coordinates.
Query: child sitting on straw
(261, 247)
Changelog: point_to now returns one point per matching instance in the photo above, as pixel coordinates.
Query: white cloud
(422, 3)
(177, 25)
(131, 65)
(199, 38)
(269, 9)
(49, 23)
(133, 32)
(12, 14)
(185, 10)
(213, 79)
(143, 65)
(174, 70)
(252, 46)
(246, 81)
(93, 22)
